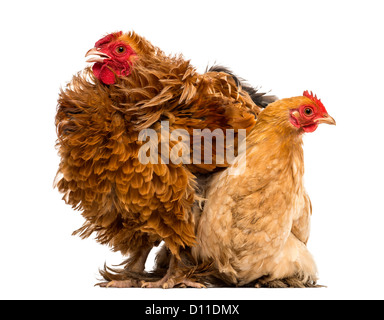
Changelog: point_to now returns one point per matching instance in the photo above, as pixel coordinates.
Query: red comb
(107, 39)
(315, 100)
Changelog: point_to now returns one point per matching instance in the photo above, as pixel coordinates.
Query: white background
(334, 48)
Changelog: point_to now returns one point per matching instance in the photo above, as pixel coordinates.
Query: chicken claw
(131, 283)
(174, 278)
(173, 283)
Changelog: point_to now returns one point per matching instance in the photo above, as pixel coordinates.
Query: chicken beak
(327, 119)
(98, 55)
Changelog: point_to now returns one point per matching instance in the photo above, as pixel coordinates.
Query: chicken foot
(291, 282)
(173, 278)
(129, 277)
(129, 283)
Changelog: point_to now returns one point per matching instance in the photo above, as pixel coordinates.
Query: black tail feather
(259, 98)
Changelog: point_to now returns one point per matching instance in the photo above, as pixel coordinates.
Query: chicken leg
(129, 277)
(173, 278)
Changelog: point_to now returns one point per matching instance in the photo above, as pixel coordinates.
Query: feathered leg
(131, 276)
(174, 277)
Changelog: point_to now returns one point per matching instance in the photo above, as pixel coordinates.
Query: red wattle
(103, 73)
(311, 127)
(96, 69)
(107, 76)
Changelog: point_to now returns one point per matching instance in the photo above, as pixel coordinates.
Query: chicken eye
(120, 49)
(308, 111)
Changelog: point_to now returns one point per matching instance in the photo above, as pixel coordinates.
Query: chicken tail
(259, 98)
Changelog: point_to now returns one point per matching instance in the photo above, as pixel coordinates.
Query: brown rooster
(129, 205)
(255, 223)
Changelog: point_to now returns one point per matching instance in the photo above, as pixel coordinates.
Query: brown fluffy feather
(131, 206)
